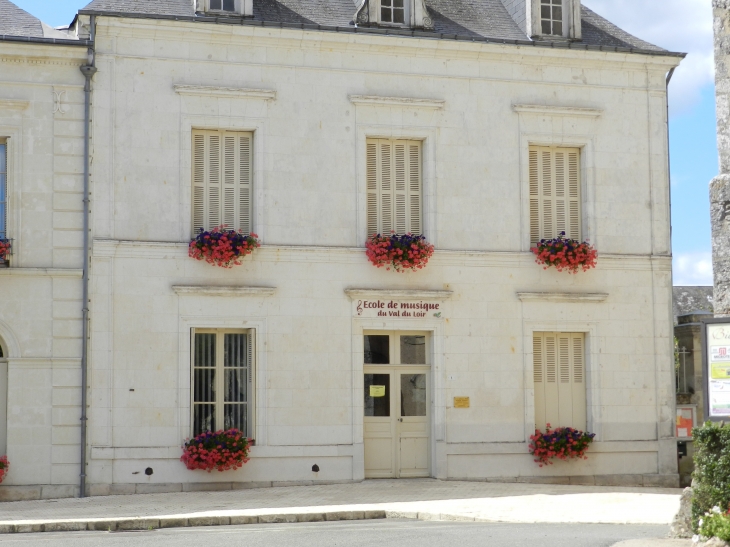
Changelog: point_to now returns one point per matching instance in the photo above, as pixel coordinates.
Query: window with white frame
(3, 189)
(555, 195)
(222, 380)
(393, 12)
(551, 17)
(558, 360)
(394, 186)
(222, 180)
(225, 7)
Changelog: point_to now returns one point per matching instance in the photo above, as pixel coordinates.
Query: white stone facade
(41, 116)
(311, 100)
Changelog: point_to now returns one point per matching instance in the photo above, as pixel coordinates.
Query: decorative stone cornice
(13, 104)
(225, 92)
(398, 293)
(557, 110)
(403, 102)
(561, 297)
(207, 290)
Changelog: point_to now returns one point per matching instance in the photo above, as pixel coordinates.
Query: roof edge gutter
(45, 41)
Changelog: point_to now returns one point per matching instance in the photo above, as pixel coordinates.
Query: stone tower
(720, 185)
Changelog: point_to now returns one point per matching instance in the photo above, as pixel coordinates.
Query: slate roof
(687, 300)
(17, 22)
(455, 19)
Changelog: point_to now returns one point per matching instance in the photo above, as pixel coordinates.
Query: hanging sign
(716, 367)
(377, 391)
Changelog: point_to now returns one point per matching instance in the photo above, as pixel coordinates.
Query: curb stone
(146, 523)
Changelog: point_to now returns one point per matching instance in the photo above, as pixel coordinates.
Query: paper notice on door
(377, 391)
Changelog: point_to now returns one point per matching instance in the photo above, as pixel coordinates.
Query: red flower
(562, 443)
(406, 252)
(221, 247)
(565, 254)
(222, 450)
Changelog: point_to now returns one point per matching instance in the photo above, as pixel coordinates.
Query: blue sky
(680, 25)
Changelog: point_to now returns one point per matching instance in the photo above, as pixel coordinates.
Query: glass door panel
(412, 350)
(377, 349)
(377, 395)
(413, 400)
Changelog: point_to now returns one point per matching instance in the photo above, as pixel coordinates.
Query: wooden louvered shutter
(554, 185)
(199, 179)
(415, 192)
(372, 187)
(394, 195)
(559, 374)
(222, 180)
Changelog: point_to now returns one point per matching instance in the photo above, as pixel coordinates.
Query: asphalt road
(380, 533)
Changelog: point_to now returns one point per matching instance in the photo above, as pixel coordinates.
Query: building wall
(309, 212)
(41, 113)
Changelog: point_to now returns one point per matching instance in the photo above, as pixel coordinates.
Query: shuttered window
(559, 374)
(222, 394)
(394, 187)
(222, 180)
(555, 202)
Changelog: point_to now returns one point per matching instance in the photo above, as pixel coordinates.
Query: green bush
(712, 470)
(715, 524)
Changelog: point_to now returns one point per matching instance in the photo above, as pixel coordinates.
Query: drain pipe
(88, 71)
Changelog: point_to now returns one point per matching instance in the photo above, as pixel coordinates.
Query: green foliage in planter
(712, 470)
(715, 524)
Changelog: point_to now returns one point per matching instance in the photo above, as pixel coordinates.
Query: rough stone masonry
(720, 185)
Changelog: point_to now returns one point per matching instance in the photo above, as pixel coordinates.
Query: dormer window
(551, 17)
(393, 11)
(223, 5)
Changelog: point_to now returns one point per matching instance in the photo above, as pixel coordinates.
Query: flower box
(4, 466)
(565, 254)
(563, 443)
(401, 253)
(6, 247)
(221, 450)
(221, 247)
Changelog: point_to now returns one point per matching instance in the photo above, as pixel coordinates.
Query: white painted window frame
(427, 136)
(258, 328)
(241, 8)
(592, 351)
(256, 126)
(220, 377)
(587, 179)
(571, 20)
(13, 138)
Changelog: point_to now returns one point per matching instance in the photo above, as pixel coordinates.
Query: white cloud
(676, 25)
(692, 268)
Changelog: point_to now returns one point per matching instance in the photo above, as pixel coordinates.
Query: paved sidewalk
(427, 499)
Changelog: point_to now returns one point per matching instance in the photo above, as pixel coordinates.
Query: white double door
(397, 405)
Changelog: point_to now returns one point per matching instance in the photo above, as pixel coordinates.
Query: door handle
(400, 419)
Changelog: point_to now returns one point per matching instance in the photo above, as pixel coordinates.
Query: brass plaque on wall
(461, 402)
